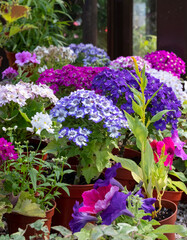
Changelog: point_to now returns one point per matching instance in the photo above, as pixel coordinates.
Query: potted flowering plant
(154, 174)
(118, 214)
(18, 105)
(69, 78)
(27, 193)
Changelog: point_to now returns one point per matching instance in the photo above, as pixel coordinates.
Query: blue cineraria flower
(92, 56)
(86, 110)
(81, 140)
(63, 132)
(114, 85)
(79, 218)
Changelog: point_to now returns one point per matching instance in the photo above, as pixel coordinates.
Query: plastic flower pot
(171, 196)
(11, 59)
(15, 221)
(65, 204)
(170, 220)
(124, 176)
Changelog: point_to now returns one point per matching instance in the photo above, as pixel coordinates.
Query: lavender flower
(113, 84)
(92, 56)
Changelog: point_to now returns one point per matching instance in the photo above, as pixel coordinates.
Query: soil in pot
(172, 207)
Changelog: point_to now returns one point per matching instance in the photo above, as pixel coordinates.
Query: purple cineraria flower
(72, 133)
(114, 85)
(63, 132)
(116, 208)
(84, 131)
(9, 73)
(110, 174)
(179, 152)
(80, 218)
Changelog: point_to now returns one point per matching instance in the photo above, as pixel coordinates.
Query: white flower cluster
(41, 121)
(55, 52)
(22, 91)
(171, 81)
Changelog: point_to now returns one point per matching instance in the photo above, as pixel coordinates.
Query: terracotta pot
(171, 196)
(123, 175)
(170, 220)
(65, 203)
(11, 59)
(15, 221)
(1, 59)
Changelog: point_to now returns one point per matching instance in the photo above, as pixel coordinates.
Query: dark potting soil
(163, 214)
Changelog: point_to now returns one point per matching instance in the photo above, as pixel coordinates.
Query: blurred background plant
(46, 15)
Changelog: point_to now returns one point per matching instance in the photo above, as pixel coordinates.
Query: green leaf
(64, 231)
(180, 185)
(24, 115)
(179, 229)
(89, 173)
(128, 164)
(137, 109)
(158, 116)
(33, 175)
(179, 175)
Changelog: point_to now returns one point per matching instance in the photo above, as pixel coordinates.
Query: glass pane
(144, 27)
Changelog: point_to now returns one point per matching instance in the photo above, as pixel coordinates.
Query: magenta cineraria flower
(25, 57)
(166, 61)
(179, 152)
(9, 73)
(80, 218)
(69, 76)
(7, 151)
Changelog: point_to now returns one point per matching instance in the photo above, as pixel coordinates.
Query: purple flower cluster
(25, 57)
(166, 61)
(92, 56)
(113, 84)
(7, 151)
(84, 111)
(69, 76)
(9, 73)
(107, 201)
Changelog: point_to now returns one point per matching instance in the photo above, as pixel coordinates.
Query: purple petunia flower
(80, 218)
(116, 208)
(179, 152)
(110, 174)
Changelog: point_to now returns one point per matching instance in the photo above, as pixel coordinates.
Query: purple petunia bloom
(110, 174)
(80, 218)
(116, 208)
(9, 73)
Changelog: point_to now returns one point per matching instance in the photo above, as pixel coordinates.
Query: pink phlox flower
(96, 200)
(179, 152)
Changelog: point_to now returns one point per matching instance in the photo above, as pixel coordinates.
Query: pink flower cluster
(166, 61)
(69, 76)
(169, 143)
(7, 151)
(26, 57)
(127, 62)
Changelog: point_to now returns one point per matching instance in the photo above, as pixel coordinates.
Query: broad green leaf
(179, 229)
(89, 173)
(180, 185)
(64, 231)
(17, 28)
(179, 175)
(162, 236)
